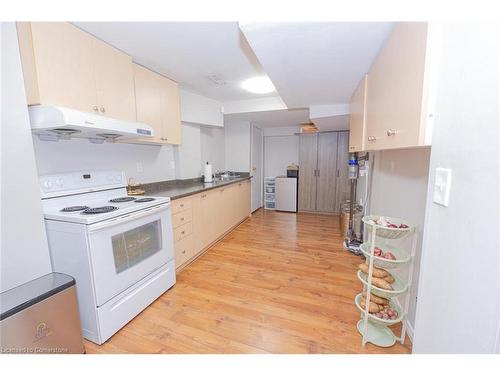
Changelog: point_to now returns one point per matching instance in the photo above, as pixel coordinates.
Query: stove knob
(47, 184)
(59, 182)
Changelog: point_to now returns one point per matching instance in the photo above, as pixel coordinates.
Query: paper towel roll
(208, 172)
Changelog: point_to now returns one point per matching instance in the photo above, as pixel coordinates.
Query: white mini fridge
(286, 193)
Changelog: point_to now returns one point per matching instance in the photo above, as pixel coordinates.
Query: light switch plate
(442, 186)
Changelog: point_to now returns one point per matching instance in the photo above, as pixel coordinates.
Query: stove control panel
(80, 182)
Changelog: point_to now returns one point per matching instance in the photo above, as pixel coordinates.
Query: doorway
(256, 167)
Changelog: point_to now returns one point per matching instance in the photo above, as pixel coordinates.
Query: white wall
(213, 147)
(24, 252)
(279, 152)
(237, 141)
(458, 308)
(399, 189)
(157, 162)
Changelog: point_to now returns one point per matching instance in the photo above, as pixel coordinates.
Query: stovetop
(96, 206)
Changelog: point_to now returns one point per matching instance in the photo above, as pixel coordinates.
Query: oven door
(126, 249)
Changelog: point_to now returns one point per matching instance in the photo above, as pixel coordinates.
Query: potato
(389, 279)
(378, 300)
(377, 272)
(373, 306)
(381, 283)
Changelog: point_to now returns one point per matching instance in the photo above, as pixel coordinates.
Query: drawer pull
(183, 251)
(183, 232)
(182, 204)
(371, 138)
(182, 219)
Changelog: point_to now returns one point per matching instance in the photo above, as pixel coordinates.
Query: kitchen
(206, 197)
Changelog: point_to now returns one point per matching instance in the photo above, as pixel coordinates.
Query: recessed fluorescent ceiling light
(258, 85)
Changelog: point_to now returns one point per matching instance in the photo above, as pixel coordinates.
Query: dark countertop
(179, 189)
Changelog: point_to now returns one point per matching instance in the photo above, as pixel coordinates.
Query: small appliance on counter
(207, 174)
(41, 317)
(119, 248)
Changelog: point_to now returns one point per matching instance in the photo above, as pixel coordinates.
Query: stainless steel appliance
(41, 317)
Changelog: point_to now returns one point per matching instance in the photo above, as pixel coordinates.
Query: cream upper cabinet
(58, 65)
(357, 118)
(65, 66)
(114, 81)
(157, 103)
(397, 114)
(171, 111)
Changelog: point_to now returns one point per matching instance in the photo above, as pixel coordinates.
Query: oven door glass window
(135, 245)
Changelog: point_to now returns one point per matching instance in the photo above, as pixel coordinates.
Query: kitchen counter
(182, 188)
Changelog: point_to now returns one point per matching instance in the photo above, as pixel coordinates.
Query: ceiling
(313, 63)
(268, 119)
(187, 52)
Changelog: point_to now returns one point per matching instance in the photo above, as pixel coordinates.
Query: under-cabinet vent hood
(52, 123)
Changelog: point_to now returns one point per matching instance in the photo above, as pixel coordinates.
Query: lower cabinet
(200, 219)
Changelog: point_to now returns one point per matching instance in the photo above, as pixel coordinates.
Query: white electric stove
(118, 248)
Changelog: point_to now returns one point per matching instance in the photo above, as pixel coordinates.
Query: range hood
(52, 123)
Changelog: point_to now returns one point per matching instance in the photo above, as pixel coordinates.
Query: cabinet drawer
(183, 250)
(182, 218)
(180, 205)
(183, 231)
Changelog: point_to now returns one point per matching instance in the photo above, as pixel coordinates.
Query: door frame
(261, 167)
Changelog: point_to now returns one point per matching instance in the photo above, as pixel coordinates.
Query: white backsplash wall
(399, 189)
(188, 154)
(145, 163)
(213, 147)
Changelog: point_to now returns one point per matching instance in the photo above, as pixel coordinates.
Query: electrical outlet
(139, 167)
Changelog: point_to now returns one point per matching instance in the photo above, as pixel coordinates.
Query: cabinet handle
(183, 232)
(183, 251)
(182, 219)
(182, 204)
(371, 138)
(391, 132)
(318, 172)
(95, 108)
(203, 195)
(103, 109)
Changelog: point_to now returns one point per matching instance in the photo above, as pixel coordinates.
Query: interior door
(327, 172)
(308, 157)
(343, 190)
(256, 168)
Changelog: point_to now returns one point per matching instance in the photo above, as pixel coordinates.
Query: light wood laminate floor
(279, 283)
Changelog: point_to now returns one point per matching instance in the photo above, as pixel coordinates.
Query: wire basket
(385, 322)
(402, 256)
(385, 232)
(398, 287)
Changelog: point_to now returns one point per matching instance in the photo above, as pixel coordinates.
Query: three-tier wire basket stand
(372, 328)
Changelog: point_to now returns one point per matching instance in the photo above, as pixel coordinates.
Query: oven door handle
(122, 219)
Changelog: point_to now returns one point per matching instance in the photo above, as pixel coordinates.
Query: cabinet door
(57, 65)
(245, 199)
(327, 172)
(357, 118)
(148, 90)
(211, 216)
(395, 93)
(308, 156)
(343, 190)
(170, 111)
(114, 80)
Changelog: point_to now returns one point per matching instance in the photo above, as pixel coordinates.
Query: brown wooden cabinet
(201, 219)
(322, 179)
(397, 96)
(157, 103)
(65, 66)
